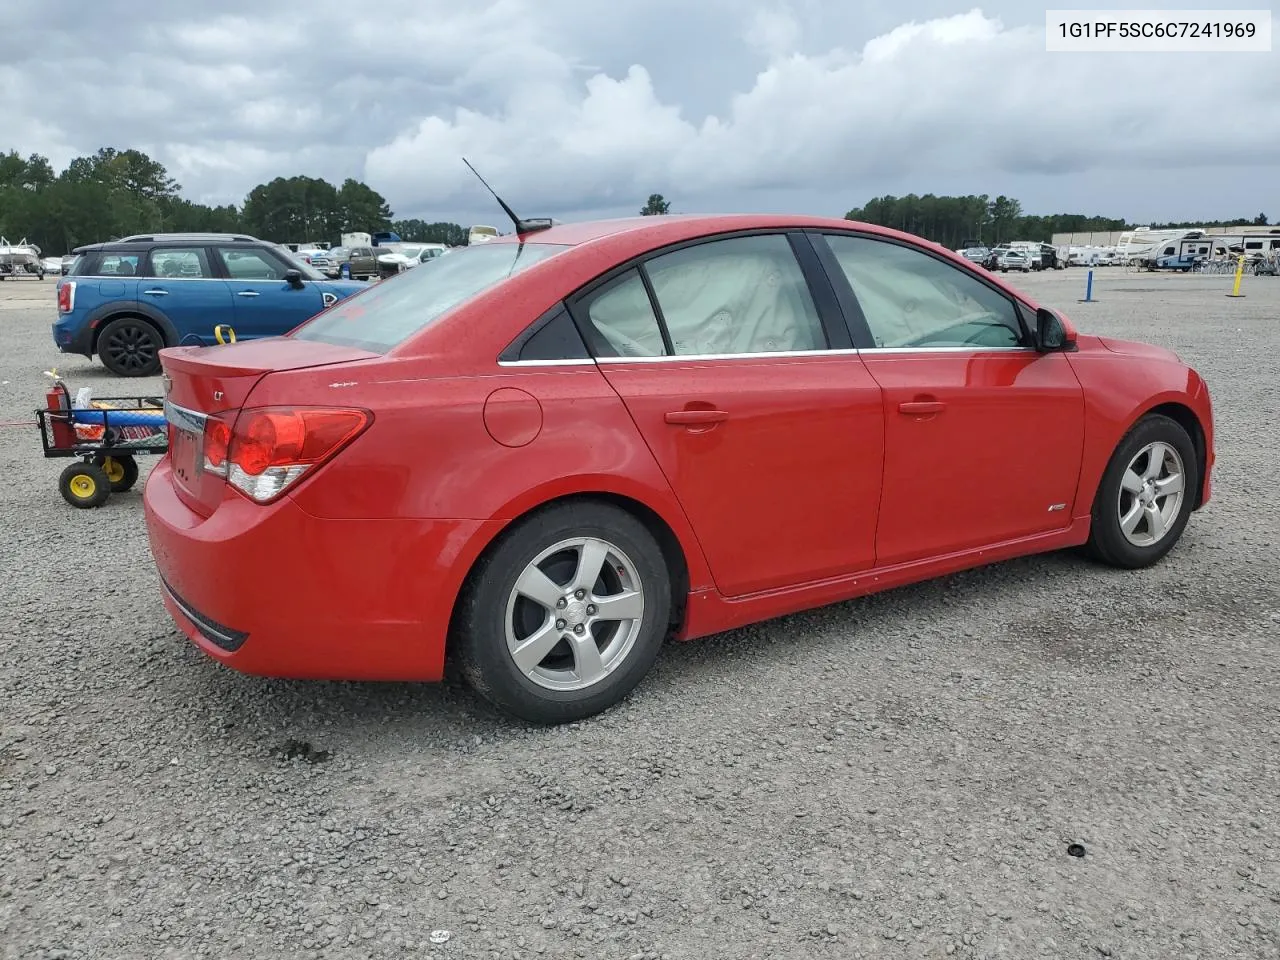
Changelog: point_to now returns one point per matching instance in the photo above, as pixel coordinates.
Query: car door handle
(917, 407)
(693, 418)
(156, 293)
(247, 293)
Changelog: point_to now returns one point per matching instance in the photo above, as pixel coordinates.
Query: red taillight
(217, 439)
(66, 296)
(270, 448)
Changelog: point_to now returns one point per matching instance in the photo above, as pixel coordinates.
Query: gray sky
(577, 108)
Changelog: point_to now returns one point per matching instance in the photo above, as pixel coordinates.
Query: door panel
(265, 304)
(983, 434)
(194, 307)
(182, 284)
(776, 460)
(272, 309)
(980, 447)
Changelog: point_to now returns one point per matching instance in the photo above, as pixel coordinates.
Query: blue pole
(1088, 289)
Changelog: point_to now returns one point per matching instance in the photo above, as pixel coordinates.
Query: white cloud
(965, 28)
(960, 93)
(773, 31)
(735, 103)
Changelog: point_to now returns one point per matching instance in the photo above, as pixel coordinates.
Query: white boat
(20, 259)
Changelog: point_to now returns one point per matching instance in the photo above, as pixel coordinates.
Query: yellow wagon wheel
(84, 485)
(121, 471)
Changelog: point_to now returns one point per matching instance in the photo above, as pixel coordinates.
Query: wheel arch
(675, 552)
(132, 312)
(1186, 418)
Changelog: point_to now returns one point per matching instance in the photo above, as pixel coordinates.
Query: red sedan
(546, 453)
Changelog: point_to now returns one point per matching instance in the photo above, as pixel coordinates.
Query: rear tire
(528, 636)
(1146, 495)
(130, 347)
(121, 471)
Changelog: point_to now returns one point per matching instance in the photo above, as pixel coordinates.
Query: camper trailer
(481, 233)
(1139, 245)
(1255, 242)
(1186, 251)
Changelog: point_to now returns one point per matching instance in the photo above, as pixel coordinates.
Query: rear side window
(107, 264)
(389, 313)
(736, 296)
(621, 317)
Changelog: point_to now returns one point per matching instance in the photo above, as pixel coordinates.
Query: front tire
(1146, 495)
(84, 485)
(565, 615)
(130, 347)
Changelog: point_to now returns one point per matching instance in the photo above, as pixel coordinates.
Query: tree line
(114, 193)
(954, 221)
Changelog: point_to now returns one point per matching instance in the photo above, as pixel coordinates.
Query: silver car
(1013, 260)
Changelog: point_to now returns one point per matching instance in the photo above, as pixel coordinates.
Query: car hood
(1135, 348)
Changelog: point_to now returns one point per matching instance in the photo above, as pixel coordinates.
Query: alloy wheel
(131, 346)
(1151, 491)
(574, 614)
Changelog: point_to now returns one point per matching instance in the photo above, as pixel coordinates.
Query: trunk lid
(203, 382)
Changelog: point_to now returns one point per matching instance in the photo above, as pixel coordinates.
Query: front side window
(387, 314)
(251, 264)
(739, 295)
(912, 299)
(186, 263)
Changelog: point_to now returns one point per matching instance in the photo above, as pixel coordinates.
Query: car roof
(149, 240)
(672, 228)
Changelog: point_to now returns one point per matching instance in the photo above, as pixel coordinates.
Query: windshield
(389, 313)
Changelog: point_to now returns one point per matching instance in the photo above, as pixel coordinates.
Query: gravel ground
(898, 776)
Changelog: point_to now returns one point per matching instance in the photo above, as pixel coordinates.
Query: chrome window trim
(777, 354)
(761, 355)
(949, 349)
(581, 362)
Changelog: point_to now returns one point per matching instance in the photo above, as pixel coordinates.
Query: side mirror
(293, 278)
(1052, 332)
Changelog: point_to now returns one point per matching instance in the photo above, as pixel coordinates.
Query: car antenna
(522, 226)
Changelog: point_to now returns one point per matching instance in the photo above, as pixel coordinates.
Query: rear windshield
(390, 312)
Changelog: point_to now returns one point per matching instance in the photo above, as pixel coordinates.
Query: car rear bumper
(72, 339)
(273, 591)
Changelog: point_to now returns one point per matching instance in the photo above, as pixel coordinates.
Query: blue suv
(128, 299)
